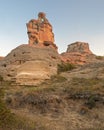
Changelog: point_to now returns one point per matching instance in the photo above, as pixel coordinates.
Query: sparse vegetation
(10, 121)
(1, 79)
(91, 103)
(5, 115)
(99, 57)
(78, 101)
(58, 78)
(65, 67)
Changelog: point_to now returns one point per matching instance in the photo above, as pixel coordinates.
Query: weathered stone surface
(40, 32)
(1, 57)
(35, 72)
(80, 47)
(29, 65)
(37, 61)
(78, 53)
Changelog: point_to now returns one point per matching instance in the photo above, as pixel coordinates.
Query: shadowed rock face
(78, 53)
(40, 32)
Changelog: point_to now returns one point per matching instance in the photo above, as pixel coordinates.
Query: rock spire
(40, 32)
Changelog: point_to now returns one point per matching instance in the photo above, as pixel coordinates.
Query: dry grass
(99, 57)
(58, 104)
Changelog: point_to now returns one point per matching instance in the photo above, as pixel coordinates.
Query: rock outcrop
(35, 62)
(40, 32)
(80, 47)
(29, 65)
(1, 57)
(78, 53)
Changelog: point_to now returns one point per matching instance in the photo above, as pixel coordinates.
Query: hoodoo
(40, 32)
(33, 63)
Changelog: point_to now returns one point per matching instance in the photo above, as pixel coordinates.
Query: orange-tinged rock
(40, 32)
(80, 47)
(78, 53)
(1, 57)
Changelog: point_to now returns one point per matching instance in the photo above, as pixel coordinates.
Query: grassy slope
(69, 101)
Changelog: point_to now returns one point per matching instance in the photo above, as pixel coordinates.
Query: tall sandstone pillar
(40, 32)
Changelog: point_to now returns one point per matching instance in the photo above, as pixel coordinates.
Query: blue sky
(72, 20)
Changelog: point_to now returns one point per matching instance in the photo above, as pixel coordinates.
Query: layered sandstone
(80, 47)
(28, 65)
(40, 32)
(35, 62)
(78, 53)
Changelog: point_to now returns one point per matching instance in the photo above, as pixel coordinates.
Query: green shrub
(58, 78)
(65, 67)
(1, 79)
(5, 114)
(99, 57)
(10, 121)
(91, 102)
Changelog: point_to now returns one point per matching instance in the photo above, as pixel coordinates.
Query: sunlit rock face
(28, 65)
(35, 62)
(40, 32)
(78, 53)
(80, 47)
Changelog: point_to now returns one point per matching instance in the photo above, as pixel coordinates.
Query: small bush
(58, 78)
(99, 57)
(65, 67)
(1, 79)
(5, 115)
(91, 102)
(10, 121)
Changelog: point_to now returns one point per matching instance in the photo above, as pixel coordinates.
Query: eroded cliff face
(28, 65)
(78, 53)
(40, 32)
(35, 62)
(32, 63)
(80, 47)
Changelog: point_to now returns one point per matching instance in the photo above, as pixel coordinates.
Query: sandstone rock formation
(78, 53)
(35, 62)
(29, 65)
(1, 57)
(40, 32)
(80, 47)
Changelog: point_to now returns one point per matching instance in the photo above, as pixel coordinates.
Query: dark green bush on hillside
(99, 57)
(65, 67)
(1, 79)
(5, 114)
(10, 121)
